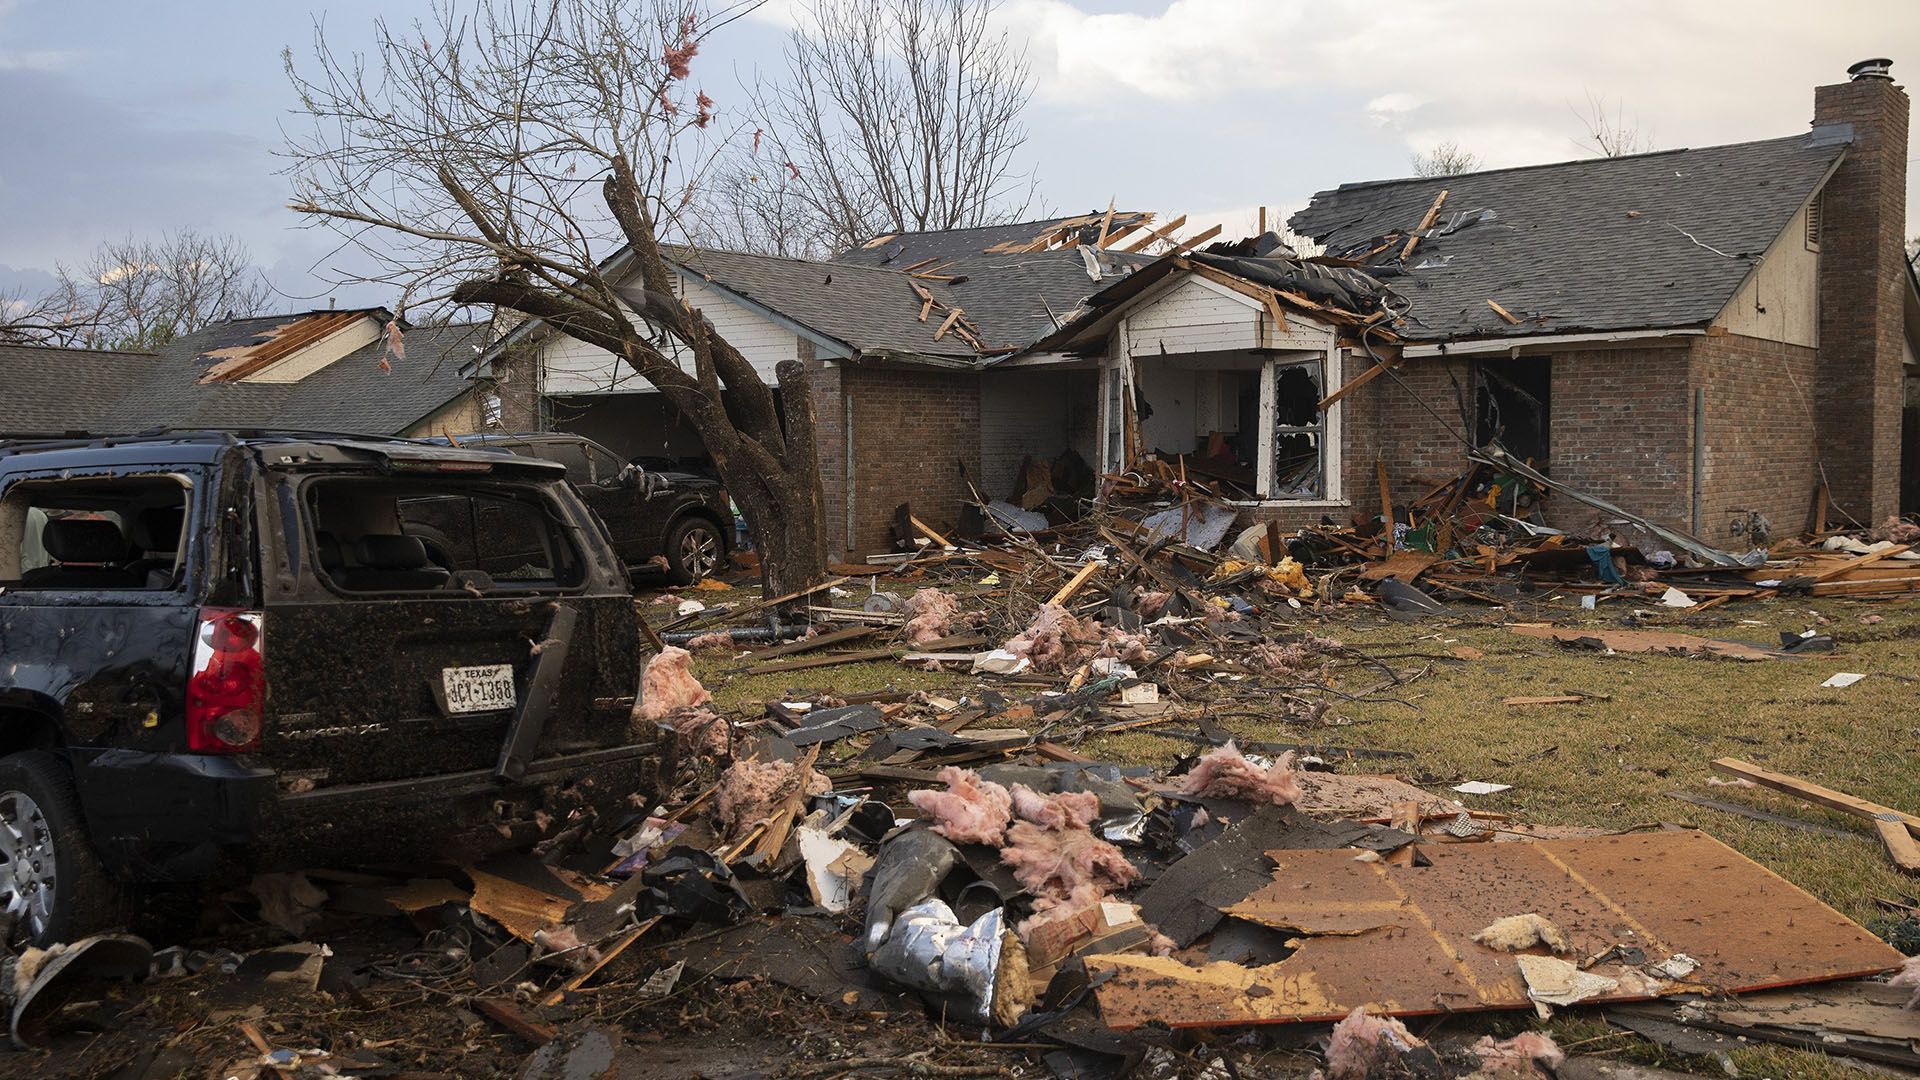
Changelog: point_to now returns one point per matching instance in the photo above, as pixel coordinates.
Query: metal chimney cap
(1871, 69)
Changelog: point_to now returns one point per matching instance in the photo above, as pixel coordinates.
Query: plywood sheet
(1651, 641)
(1399, 939)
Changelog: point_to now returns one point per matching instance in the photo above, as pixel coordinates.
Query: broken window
(395, 536)
(1514, 401)
(1299, 433)
(85, 534)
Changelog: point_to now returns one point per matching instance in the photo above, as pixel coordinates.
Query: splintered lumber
(837, 637)
(1509, 316)
(1164, 232)
(953, 316)
(509, 1016)
(1815, 793)
(1127, 229)
(1195, 240)
(1075, 582)
(762, 605)
(1426, 222)
(1864, 560)
(1354, 383)
(1900, 844)
(1106, 223)
(1386, 503)
(929, 532)
(829, 660)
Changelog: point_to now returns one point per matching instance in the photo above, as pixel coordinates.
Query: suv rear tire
(694, 550)
(52, 887)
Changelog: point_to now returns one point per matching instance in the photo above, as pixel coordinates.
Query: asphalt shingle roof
(873, 308)
(351, 394)
(51, 390)
(1658, 240)
(901, 250)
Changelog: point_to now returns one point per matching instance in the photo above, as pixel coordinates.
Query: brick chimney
(1862, 275)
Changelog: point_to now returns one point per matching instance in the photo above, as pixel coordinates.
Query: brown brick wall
(1859, 391)
(1622, 430)
(1760, 437)
(913, 430)
(1386, 421)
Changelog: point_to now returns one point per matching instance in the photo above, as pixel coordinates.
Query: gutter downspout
(1699, 451)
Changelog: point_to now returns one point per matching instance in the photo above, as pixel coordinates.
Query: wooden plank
(1510, 317)
(1195, 240)
(1106, 222)
(1355, 383)
(1128, 229)
(837, 637)
(829, 660)
(1820, 494)
(1426, 222)
(1864, 560)
(1076, 581)
(509, 1016)
(1815, 793)
(709, 618)
(1164, 232)
(953, 316)
(780, 826)
(1901, 846)
(606, 958)
(929, 532)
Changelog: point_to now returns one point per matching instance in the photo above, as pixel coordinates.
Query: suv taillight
(227, 691)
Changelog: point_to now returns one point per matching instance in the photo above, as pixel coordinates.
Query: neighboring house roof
(51, 390)
(1657, 240)
(352, 394)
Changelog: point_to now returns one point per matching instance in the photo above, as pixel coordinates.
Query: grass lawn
(1656, 723)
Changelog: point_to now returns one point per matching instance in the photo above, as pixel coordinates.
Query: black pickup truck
(224, 648)
(651, 514)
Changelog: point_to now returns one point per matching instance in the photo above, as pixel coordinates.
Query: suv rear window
(438, 536)
(88, 533)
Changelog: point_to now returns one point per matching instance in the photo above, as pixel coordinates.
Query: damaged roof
(1011, 299)
(1660, 240)
(352, 394)
(52, 390)
(911, 249)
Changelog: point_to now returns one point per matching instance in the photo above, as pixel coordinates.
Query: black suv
(222, 647)
(680, 515)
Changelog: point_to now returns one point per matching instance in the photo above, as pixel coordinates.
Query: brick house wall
(1760, 433)
(1622, 430)
(914, 429)
(1862, 272)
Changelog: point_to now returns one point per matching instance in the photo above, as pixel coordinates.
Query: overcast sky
(122, 117)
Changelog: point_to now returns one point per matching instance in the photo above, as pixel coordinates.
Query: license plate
(478, 689)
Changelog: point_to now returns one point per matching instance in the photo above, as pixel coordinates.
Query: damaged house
(332, 370)
(1719, 339)
(1714, 338)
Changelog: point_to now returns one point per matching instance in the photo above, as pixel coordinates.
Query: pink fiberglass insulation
(930, 614)
(1226, 774)
(1363, 1045)
(1067, 810)
(1897, 529)
(1909, 975)
(1525, 1054)
(1123, 646)
(701, 731)
(970, 811)
(1065, 870)
(719, 639)
(1051, 640)
(668, 684)
(750, 791)
(1151, 605)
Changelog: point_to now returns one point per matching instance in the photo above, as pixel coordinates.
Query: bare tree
(897, 115)
(1446, 159)
(141, 294)
(532, 154)
(749, 207)
(1611, 135)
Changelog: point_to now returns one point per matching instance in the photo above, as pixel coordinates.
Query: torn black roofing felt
(1660, 240)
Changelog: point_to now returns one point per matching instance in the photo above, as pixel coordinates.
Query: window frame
(190, 481)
